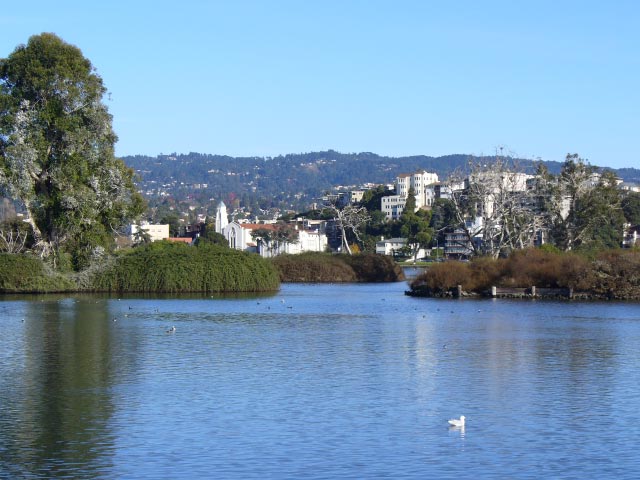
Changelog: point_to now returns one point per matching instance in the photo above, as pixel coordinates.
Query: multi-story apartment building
(421, 182)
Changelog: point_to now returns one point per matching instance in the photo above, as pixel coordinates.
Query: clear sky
(398, 77)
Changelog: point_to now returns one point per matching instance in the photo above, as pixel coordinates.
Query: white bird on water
(454, 422)
(171, 330)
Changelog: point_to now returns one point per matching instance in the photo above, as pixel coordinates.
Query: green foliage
(28, 274)
(631, 208)
(443, 215)
(372, 198)
(374, 268)
(273, 236)
(173, 221)
(410, 203)
(414, 226)
(57, 150)
(328, 268)
(290, 181)
(15, 236)
(209, 235)
(175, 267)
(595, 218)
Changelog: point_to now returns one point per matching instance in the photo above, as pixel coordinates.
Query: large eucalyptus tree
(57, 150)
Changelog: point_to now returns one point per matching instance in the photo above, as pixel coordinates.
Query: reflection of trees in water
(581, 365)
(62, 406)
(550, 364)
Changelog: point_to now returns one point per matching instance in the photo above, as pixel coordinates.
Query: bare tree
(13, 238)
(349, 218)
(494, 206)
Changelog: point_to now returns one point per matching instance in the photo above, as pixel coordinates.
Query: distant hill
(293, 180)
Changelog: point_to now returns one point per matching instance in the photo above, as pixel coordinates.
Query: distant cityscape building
(311, 235)
(422, 183)
(390, 246)
(155, 232)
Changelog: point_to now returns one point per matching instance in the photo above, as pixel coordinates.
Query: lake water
(318, 381)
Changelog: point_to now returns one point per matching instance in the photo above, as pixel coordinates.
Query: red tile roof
(256, 226)
(180, 239)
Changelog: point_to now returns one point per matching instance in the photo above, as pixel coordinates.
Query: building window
(232, 238)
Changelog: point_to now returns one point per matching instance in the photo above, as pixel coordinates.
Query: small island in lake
(536, 272)
(313, 267)
(159, 267)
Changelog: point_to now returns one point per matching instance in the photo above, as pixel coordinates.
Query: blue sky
(540, 79)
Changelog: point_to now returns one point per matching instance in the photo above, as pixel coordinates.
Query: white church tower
(221, 217)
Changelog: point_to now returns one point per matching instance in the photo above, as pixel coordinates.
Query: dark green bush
(176, 267)
(28, 274)
(327, 268)
(370, 267)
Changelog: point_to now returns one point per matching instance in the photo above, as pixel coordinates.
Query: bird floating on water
(172, 329)
(454, 422)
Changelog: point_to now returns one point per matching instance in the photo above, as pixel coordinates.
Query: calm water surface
(318, 381)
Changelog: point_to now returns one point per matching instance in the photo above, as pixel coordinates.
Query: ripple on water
(342, 384)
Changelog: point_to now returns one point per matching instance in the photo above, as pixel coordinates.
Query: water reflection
(60, 394)
(336, 382)
(458, 430)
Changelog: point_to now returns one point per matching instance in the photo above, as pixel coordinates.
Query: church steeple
(222, 219)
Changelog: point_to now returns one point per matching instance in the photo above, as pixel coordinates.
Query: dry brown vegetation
(610, 274)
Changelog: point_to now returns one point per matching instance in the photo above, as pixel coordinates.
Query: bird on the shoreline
(454, 422)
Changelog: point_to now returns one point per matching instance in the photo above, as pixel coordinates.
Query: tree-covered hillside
(291, 181)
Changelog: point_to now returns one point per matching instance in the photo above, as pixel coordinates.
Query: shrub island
(314, 267)
(612, 274)
(160, 267)
(167, 267)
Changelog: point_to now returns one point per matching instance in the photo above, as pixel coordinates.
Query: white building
(422, 184)
(222, 218)
(239, 237)
(392, 206)
(155, 232)
(356, 196)
(390, 246)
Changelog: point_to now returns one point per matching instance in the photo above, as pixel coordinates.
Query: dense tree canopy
(631, 208)
(57, 150)
(593, 216)
(415, 225)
